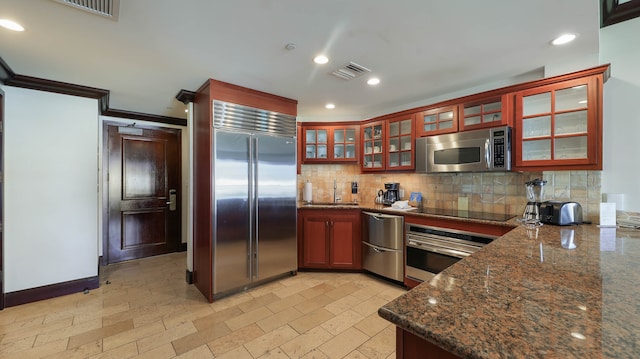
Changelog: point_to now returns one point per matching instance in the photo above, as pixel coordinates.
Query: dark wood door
(143, 192)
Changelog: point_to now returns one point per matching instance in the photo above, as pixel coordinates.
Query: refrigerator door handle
(251, 207)
(254, 206)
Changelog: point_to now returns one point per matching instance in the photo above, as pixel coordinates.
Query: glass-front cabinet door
(558, 124)
(316, 143)
(485, 113)
(400, 139)
(345, 144)
(373, 151)
(337, 142)
(437, 121)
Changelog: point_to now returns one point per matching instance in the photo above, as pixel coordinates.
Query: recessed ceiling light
(330, 106)
(11, 25)
(320, 59)
(373, 81)
(563, 39)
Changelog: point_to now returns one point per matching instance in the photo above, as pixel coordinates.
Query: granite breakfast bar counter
(554, 292)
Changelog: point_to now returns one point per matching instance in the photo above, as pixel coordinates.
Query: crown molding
(186, 96)
(10, 78)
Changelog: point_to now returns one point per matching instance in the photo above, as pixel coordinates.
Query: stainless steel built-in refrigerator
(254, 197)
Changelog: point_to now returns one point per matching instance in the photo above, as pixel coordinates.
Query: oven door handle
(448, 252)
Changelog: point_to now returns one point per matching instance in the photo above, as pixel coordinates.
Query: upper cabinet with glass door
(345, 143)
(400, 140)
(485, 113)
(560, 125)
(330, 143)
(316, 143)
(373, 151)
(437, 121)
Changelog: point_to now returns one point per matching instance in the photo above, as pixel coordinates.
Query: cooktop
(487, 216)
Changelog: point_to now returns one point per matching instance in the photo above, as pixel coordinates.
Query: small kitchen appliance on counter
(561, 213)
(391, 193)
(535, 196)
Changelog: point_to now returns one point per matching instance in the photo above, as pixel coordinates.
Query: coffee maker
(391, 193)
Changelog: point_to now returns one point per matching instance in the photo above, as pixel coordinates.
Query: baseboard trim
(50, 291)
(189, 277)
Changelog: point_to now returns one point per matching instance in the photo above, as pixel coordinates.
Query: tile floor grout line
(153, 290)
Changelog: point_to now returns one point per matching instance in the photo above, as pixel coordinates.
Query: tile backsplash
(502, 192)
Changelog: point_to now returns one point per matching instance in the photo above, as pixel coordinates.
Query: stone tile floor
(148, 311)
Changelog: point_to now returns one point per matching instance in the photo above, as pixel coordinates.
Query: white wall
(620, 46)
(51, 188)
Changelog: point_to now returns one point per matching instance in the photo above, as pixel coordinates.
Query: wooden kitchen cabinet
(559, 126)
(373, 141)
(437, 121)
(329, 143)
(399, 143)
(484, 113)
(329, 239)
(410, 346)
(387, 144)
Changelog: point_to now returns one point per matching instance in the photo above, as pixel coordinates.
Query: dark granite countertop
(560, 292)
(460, 216)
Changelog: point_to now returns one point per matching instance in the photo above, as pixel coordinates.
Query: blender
(535, 196)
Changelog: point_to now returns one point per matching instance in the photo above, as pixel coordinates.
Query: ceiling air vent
(106, 8)
(350, 71)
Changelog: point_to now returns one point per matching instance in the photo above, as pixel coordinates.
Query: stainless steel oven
(430, 250)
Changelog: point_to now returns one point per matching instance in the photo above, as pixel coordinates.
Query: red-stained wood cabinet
(486, 112)
(329, 239)
(334, 143)
(436, 121)
(559, 126)
(388, 144)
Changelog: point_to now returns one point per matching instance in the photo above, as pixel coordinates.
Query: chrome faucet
(335, 188)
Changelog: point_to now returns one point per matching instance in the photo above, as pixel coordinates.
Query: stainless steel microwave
(485, 150)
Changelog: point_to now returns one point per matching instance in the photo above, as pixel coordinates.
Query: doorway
(142, 199)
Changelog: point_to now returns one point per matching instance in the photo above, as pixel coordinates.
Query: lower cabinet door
(315, 242)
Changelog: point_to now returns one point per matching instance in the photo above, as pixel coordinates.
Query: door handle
(172, 199)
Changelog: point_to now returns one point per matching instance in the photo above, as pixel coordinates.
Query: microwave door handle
(487, 154)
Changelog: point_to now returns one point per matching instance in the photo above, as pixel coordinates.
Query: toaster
(560, 213)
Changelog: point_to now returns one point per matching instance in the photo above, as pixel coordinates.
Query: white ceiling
(420, 49)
